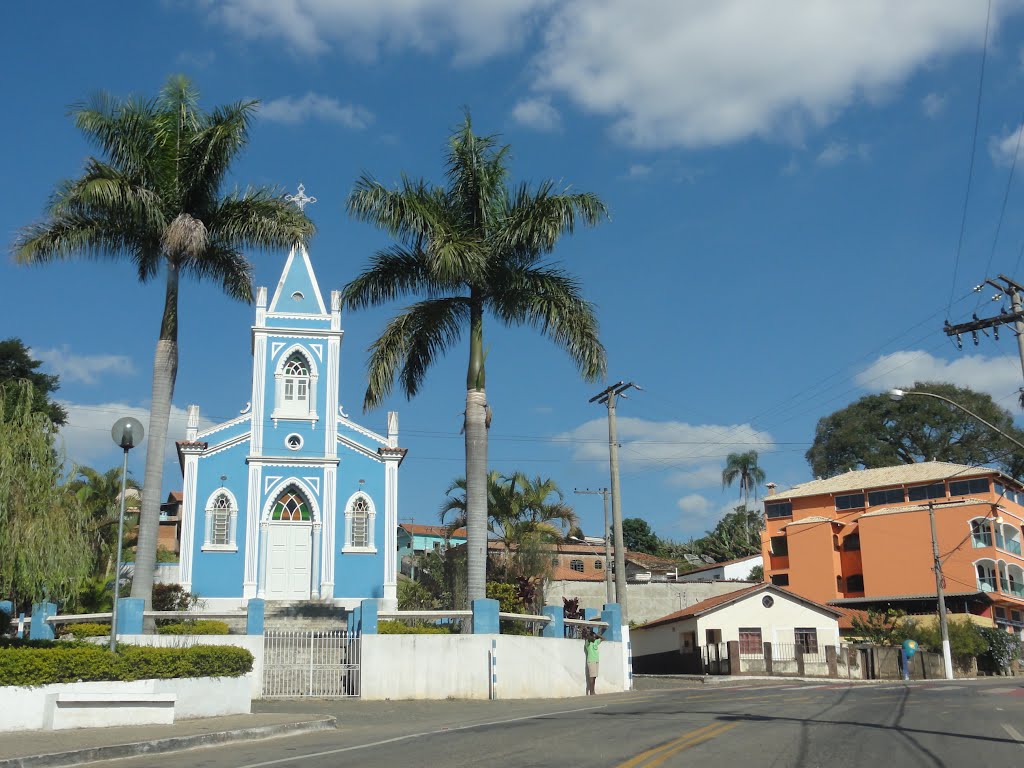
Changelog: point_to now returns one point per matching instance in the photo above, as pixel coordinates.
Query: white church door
(289, 549)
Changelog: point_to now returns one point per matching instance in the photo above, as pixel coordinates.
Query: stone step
(307, 615)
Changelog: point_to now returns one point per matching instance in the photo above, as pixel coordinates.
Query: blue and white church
(292, 500)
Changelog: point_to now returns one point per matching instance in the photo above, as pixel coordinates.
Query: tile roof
(651, 561)
(441, 531)
(939, 504)
(814, 519)
(565, 573)
(718, 601)
(837, 604)
(847, 615)
(882, 477)
(711, 566)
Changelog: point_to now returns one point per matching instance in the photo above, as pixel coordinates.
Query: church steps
(304, 616)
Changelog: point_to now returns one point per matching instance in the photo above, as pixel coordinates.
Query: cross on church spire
(301, 199)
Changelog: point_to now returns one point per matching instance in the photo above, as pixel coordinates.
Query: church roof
(298, 292)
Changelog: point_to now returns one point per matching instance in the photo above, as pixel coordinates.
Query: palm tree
(743, 467)
(155, 200)
(472, 247)
(100, 495)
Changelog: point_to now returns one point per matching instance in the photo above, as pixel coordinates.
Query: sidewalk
(50, 749)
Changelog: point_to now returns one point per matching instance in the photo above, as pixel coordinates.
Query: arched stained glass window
(360, 522)
(221, 519)
(290, 507)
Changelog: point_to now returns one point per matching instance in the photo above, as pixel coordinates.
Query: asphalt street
(962, 723)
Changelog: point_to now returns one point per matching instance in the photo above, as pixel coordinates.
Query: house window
(1000, 613)
(780, 579)
(750, 640)
(981, 533)
(554, 561)
(1015, 615)
(779, 509)
(986, 576)
(890, 496)
(835, 541)
(598, 565)
(576, 565)
(855, 583)
(850, 501)
(806, 639)
(852, 542)
(923, 492)
(780, 546)
(839, 583)
(966, 487)
(290, 507)
(221, 521)
(359, 528)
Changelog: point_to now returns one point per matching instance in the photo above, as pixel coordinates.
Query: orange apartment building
(862, 539)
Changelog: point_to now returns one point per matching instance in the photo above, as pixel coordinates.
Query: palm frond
(393, 273)
(259, 217)
(227, 266)
(536, 219)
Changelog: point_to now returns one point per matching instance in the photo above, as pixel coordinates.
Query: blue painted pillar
(6, 606)
(555, 627)
(255, 610)
(129, 615)
(21, 625)
(368, 617)
(485, 617)
(591, 614)
(353, 620)
(612, 615)
(41, 629)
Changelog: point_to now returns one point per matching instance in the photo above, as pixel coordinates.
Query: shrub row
(198, 627)
(401, 628)
(41, 662)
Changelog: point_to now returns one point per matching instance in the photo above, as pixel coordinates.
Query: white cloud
(672, 445)
(314, 106)
(470, 29)
(998, 376)
(838, 152)
(537, 114)
(1002, 149)
(694, 74)
(87, 369)
(86, 436)
(933, 104)
(694, 505)
(638, 171)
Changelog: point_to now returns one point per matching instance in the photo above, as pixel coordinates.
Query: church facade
(291, 500)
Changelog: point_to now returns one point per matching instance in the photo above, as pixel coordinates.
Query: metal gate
(319, 664)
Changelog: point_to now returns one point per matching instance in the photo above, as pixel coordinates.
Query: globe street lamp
(127, 433)
(947, 659)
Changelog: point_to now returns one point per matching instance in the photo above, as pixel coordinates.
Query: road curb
(169, 744)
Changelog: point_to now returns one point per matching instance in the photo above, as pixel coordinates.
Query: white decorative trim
(330, 520)
(235, 421)
(314, 483)
(350, 550)
(259, 376)
(296, 316)
(289, 461)
(248, 407)
(232, 545)
(359, 448)
(304, 254)
(297, 333)
(331, 397)
(219, 548)
(311, 387)
(269, 480)
(341, 412)
(252, 540)
(288, 441)
(318, 350)
(188, 520)
(226, 444)
(371, 533)
(391, 527)
(345, 421)
(314, 506)
(275, 347)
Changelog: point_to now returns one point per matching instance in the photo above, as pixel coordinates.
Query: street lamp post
(127, 433)
(947, 658)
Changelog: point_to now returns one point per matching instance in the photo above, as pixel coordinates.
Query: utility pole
(607, 397)
(607, 541)
(1014, 318)
(947, 661)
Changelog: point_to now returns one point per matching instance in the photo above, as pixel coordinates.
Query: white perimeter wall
(647, 602)
(30, 708)
(459, 666)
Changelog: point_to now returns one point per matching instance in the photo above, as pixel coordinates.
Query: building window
(576, 565)
(598, 565)
(554, 561)
(806, 639)
(290, 507)
(852, 542)
(890, 496)
(750, 640)
(966, 487)
(778, 509)
(1000, 612)
(850, 501)
(835, 541)
(839, 583)
(1015, 615)
(986, 576)
(780, 546)
(924, 492)
(360, 514)
(855, 583)
(780, 579)
(221, 522)
(981, 533)
(293, 442)
(295, 396)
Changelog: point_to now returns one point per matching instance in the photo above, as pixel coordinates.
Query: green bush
(401, 628)
(198, 627)
(84, 630)
(1003, 647)
(41, 662)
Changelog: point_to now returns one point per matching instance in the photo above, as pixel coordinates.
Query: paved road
(758, 724)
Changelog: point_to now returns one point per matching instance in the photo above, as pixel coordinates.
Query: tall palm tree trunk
(476, 462)
(165, 371)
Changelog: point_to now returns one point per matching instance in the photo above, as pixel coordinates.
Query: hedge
(41, 662)
(198, 627)
(84, 630)
(400, 628)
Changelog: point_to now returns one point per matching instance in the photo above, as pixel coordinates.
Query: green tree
(155, 200)
(16, 363)
(737, 534)
(472, 247)
(743, 467)
(877, 431)
(44, 551)
(637, 536)
(100, 495)
(756, 573)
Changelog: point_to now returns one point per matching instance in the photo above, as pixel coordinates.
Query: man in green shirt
(591, 646)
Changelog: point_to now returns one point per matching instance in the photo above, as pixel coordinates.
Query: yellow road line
(662, 751)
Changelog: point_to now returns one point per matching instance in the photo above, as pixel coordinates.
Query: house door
(289, 561)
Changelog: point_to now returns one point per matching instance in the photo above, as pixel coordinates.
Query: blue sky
(787, 191)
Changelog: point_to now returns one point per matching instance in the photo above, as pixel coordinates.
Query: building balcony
(778, 563)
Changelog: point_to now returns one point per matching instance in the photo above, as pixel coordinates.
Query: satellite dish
(708, 559)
